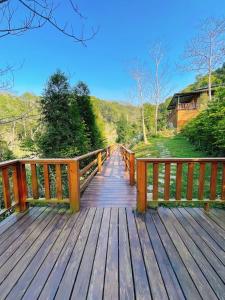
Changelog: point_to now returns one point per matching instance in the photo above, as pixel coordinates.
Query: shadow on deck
(113, 253)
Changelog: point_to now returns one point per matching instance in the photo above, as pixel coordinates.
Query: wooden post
(141, 186)
(99, 162)
(132, 169)
(74, 185)
(109, 151)
(21, 173)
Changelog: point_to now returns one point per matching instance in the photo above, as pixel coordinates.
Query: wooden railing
(48, 180)
(128, 157)
(189, 174)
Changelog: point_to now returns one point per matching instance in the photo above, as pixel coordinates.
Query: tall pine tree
(86, 110)
(63, 133)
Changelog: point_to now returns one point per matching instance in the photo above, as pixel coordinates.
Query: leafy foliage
(126, 132)
(207, 130)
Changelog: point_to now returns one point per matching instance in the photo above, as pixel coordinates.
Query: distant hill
(24, 110)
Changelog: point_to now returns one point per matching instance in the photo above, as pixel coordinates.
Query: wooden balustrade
(128, 157)
(48, 180)
(189, 174)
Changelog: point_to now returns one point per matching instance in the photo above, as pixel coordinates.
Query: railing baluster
(214, 169)
(179, 180)
(99, 162)
(201, 181)
(58, 181)
(15, 184)
(167, 182)
(132, 169)
(190, 181)
(74, 185)
(46, 181)
(141, 186)
(34, 181)
(6, 187)
(223, 183)
(155, 181)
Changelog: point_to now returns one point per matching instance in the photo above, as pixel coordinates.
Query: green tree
(94, 132)
(61, 136)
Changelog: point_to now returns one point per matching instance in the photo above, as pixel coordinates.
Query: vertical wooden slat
(201, 181)
(190, 181)
(74, 185)
(141, 186)
(58, 181)
(34, 181)
(167, 182)
(132, 169)
(223, 183)
(6, 188)
(99, 162)
(155, 181)
(179, 181)
(46, 182)
(21, 169)
(213, 179)
(15, 184)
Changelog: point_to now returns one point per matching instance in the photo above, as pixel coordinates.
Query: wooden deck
(113, 253)
(108, 251)
(111, 187)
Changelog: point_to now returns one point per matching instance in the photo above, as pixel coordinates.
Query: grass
(176, 146)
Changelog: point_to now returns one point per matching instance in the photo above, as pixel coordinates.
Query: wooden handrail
(180, 180)
(129, 159)
(46, 176)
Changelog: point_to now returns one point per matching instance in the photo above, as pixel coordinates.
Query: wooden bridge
(107, 250)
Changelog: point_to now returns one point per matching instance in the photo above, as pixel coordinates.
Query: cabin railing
(48, 180)
(128, 157)
(204, 177)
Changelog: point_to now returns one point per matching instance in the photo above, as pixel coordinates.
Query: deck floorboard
(109, 251)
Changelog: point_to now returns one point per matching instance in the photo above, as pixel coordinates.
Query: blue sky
(127, 29)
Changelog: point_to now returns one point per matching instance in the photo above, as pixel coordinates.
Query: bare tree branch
(36, 14)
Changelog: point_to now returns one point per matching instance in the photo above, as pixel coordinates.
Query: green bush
(207, 130)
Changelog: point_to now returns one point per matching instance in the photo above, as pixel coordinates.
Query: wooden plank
(154, 276)
(190, 178)
(213, 180)
(54, 222)
(167, 182)
(155, 181)
(57, 272)
(179, 181)
(111, 288)
(201, 243)
(188, 286)
(126, 287)
(201, 183)
(6, 188)
(67, 282)
(218, 251)
(58, 182)
(223, 182)
(46, 182)
(34, 181)
(43, 273)
(207, 270)
(141, 186)
(96, 285)
(170, 280)
(142, 290)
(81, 285)
(8, 237)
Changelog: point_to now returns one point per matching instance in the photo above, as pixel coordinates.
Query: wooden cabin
(185, 106)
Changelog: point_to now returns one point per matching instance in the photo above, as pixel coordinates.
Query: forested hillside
(20, 115)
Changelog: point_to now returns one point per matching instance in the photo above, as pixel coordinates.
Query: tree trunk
(143, 125)
(209, 86)
(156, 118)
